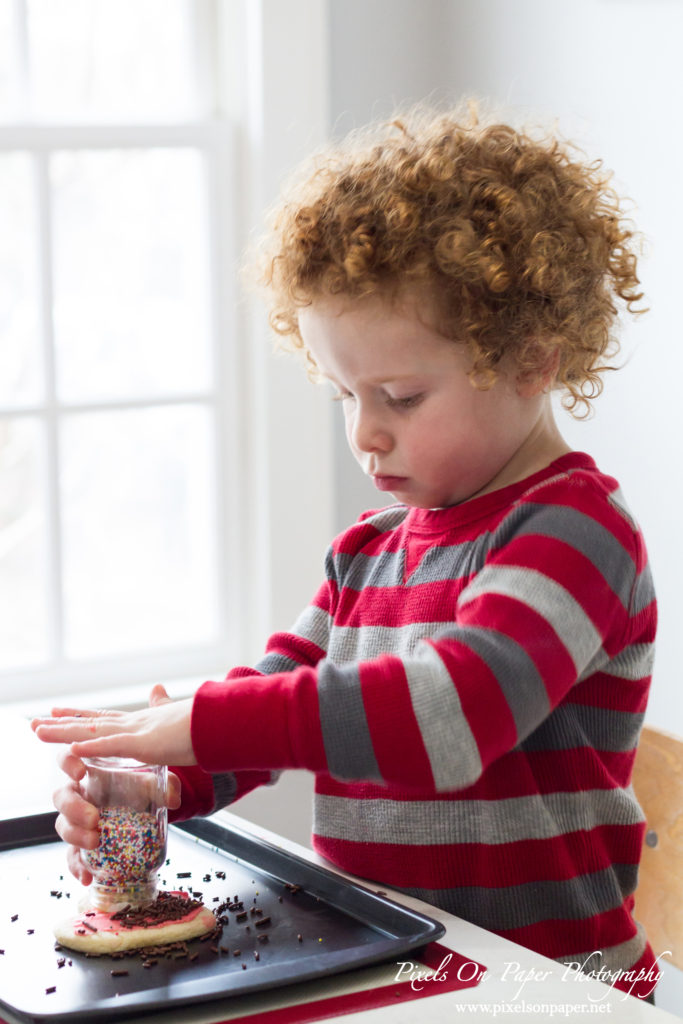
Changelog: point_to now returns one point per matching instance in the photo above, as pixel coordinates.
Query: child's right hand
(77, 819)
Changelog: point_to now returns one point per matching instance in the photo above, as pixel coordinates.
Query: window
(113, 382)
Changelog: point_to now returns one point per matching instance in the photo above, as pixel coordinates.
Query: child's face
(414, 422)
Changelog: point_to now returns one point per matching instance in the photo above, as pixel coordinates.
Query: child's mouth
(388, 483)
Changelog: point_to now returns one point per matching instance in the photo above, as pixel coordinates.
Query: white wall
(383, 54)
(610, 71)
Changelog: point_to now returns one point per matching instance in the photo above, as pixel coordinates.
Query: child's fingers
(77, 713)
(74, 823)
(174, 791)
(74, 835)
(62, 713)
(112, 745)
(158, 695)
(76, 865)
(71, 765)
(69, 729)
(75, 809)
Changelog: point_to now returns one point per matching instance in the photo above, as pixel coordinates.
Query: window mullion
(228, 413)
(202, 30)
(22, 77)
(51, 436)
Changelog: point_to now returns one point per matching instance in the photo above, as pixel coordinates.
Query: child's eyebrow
(375, 382)
(395, 379)
(391, 379)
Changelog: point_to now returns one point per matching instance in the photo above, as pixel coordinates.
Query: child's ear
(533, 382)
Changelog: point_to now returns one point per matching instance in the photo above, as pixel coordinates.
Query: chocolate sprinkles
(165, 908)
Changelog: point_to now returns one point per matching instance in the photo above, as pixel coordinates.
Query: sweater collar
(424, 520)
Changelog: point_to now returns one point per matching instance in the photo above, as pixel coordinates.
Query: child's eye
(406, 401)
(341, 396)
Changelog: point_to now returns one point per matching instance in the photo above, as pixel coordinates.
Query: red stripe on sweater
(362, 535)
(398, 606)
(516, 774)
(290, 646)
(587, 497)
(394, 731)
(602, 690)
(493, 866)
(259, 722)
(519, 622)
(556, 560)
(554, 937)
(481, 697)
(644, 623)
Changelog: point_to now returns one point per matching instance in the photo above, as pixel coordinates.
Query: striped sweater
(468, 687)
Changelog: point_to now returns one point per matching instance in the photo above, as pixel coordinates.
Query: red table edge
(450, 972)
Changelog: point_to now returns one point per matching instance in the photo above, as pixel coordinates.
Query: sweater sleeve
(203, 792)
(559, 596)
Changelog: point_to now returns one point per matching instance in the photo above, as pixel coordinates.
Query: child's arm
(162, 736)
(564, 593)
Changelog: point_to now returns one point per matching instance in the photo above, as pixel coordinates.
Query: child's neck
(543, 444)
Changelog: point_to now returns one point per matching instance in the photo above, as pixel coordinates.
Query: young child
(469, 682)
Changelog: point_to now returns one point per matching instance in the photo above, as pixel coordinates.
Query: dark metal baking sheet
(341, 926)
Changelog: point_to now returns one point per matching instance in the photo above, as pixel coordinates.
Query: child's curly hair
(522, 248)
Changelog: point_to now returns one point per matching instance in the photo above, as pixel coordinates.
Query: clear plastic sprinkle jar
(132, 800)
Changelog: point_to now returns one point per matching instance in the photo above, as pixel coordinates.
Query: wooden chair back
(658, 784)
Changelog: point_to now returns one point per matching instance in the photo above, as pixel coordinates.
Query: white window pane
(139, 552)
(10, 101)
(23, 584)
(19, 296)
(97, 60)
(131, 283)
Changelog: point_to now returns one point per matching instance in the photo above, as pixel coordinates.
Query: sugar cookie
(171, 917)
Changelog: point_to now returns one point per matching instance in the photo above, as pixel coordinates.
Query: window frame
(214, 140)
(269, 421)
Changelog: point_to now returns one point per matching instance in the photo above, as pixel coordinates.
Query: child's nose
(369, 433)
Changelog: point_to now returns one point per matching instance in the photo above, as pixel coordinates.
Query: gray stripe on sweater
(546, 597)
(612, 958)
(635, 662)
(224, 789)
(441, 721)
(360, 571)
(346, 736)
(644, 591)
(450, 562)
(517, 906)
(385, 519)
(616, 498)
(575, 725)
(360, 643)
(437, 822)
(274, 662)
(314, 624)
(584, 534)
(515, 672)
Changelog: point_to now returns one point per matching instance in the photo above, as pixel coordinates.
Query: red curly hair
(520, 246)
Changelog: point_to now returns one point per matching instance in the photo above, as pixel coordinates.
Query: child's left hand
(155, 735)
